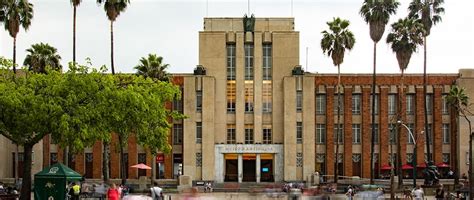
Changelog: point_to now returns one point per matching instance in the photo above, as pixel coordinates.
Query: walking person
(76, 191)
(113, 193)
(156, 192)
(440, 192)
(418, 193)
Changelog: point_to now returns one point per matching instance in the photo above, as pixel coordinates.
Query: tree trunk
(336, 170)
(105, 162)
(14, 55)
(392, 191)
(26, 181)
(16, 163)
(112, 47)
(399, 147)
(66, 156)
(153, 169)
(425, 107)
(372, 142)
(74, 39)
(122, 162)
(454, 145)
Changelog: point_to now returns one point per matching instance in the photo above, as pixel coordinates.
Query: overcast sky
(170, 29)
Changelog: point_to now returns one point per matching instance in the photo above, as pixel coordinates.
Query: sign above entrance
(249, 148)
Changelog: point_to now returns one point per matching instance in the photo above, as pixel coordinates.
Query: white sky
(170, 29)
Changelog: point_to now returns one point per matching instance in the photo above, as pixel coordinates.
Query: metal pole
(410, 134)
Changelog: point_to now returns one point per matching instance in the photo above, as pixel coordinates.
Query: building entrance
(249, 168)
(231, 168)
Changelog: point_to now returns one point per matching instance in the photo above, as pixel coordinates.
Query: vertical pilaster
(46, 150)
(257, 168)
(114, 157)
(308, 126)
(258, 77)
(97, 162)
(289, 108)
(208, 129)
(132, 157)
(240, 89)
(240, 169)
(366, 131)
(347, 101)
(437, 125)
(420, 125)
(80, 167)
(189, 128)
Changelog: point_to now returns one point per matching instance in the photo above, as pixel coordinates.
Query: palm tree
(376, 13)
(334, 43)
(428, 12)
(153, 67)
(404, 38)
(75, 4)
(113, 8)
(16, 13)
(459, 101)
(42, 56)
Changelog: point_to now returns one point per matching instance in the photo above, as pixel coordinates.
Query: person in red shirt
(113, 193)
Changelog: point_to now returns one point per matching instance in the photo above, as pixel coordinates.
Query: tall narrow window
(198, 100)
(336, 104)
(446, 134)
(376, 104)
(356, 104)
(445, 109)
(177, 134)
(299, 132)
(339, 133)
(178, 102)
(248, 96)
(198, 132)
(231, 134)
(267, 135)
(267, 96)
(320, 133)
(411, 126)
(392, 129)
(267, 79)
(267, 62)
(392, 104)
(410, 104)
(429, 104)
(356, 133)
(231, 78)
(320, 104)
(376, 128)
(142, 159)
(249, 135)
(299, 101)
(248, 61)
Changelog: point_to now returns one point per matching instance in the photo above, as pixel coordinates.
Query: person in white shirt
(156, 192)
(418, 193)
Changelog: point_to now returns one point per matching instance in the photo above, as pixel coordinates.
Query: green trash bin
(51, 183)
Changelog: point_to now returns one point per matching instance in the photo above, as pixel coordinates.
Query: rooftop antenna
(292, 8)
(306, 59)
(248, 7)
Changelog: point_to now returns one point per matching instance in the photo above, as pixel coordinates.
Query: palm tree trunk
(26, 181)
(112, 47)
(399, 147)
(425, 107)
(454, 148)
(372, 142)
(74, 39)
(336, 170)
(105, 162)
(14, 55)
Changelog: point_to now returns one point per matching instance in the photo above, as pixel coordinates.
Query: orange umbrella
(141, 166)
(407, 166)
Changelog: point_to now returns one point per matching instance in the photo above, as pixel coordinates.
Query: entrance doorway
(249, 168)
(266, 170)
(231, 168)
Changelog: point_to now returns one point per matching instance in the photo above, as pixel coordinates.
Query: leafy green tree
(376, 13)
(428, 12)
(334, 43)
(113, 8)
(153, 67)
(459, 101)
(75, 4)
(16, 13)
(41, 56)
(404, 38)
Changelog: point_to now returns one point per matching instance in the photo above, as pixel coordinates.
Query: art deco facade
(254, 115)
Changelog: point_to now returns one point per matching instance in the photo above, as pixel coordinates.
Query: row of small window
(249, 96)
(231, 136)
(321, 158)
(357, 133)
(356, 104)
(249, 61)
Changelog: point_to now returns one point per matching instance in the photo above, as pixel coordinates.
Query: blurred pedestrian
(113, 193)
(440, 192)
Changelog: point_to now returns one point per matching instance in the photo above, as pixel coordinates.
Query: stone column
(258, 170)
(240, 170)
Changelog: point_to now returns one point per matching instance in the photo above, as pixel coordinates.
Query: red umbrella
(407, 166)
(422, 165)
(442, 165)
(141, 166)
(386, 167)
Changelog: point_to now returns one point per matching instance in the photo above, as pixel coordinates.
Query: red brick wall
(437, 125)
(366, 133)
(132, 157)
(330, 131)
(97, 162)
(347, 130)
(385, 79)
(402, 131)
(114, 157)
(420, 125)
(46, 151)
(80, 165)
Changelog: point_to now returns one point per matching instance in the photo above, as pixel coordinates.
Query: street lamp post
(410, 134)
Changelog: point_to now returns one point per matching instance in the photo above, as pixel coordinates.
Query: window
(356, 133)
(141, 159)
(230, 61)
(411, 126)
(299, 132)
(267, 62)
(339, 133)
(320, 133)
(299, 101)
(53, 158)
(248, 96)
(178, 103)
(429, 104)
(267, 96)
(376, 128)
(392, 104)
(376, 104)
(356, 104)
(430, 132)
(267, 136)
(248, 61)
(410, 104)
(446, 134)
(231, 134)
(336, 103)
(198, 132)
(392, 129)
(177, 134)
(199, 101)
(249, 135)
(445, 108)
(230, 96)
(320, 104)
